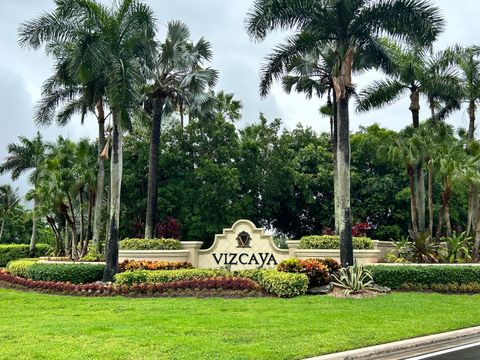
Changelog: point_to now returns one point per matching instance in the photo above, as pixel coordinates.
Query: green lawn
(37, 326)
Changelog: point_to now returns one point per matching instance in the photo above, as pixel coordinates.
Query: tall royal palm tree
(70, 91)
(352, 28)
(177, 78)
(415, 71)
(24, 156)
(112, 43)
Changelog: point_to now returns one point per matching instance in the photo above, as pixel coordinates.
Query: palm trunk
(413, 206)
(415, 108)
(343, 182)
(444, 209)
(476, 244)
(82, 221)
(471, 125)
(2, 227)
(99, 193)
(59, 245)
(420, 196)
(73, 227)
(116, 164)
(91, 200)
(430, 198)
(151, 215)
(334, 131)
(33, 238)
(448, 224)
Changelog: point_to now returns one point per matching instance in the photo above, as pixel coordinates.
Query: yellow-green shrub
(20, 267)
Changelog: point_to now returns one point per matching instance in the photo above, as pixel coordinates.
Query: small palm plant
(353, 279)
(457, 247)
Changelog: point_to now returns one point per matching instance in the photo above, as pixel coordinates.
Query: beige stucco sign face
(243, 246)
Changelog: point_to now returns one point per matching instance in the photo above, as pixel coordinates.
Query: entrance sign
(243, 246)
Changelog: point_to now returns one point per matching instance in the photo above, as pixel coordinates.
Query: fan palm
(177, 79)
(26, 155)
(351, 28)
(112, 42)
(227, 107)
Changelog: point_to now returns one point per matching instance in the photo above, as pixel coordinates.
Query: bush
(150, 244)
(353, 279)
(73, 273)
(473, 287)
(395, 276)
(9, 252)
(165, 276)
(20, 267)
(317, 272)
(128, 265)
(333, 242)
(282, 284)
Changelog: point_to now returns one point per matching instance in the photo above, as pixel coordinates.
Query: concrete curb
(409, 348)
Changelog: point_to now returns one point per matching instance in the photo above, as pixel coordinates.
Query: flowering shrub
(317, 270)
(153, 265)
(150, 244)
(169, 228)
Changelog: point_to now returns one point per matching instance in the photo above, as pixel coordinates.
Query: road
(465, 352)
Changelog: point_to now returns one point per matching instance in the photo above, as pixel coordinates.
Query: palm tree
(414, 70)
(351, 28)
(177, 80)
(112, 42)
(227, 107)
(69, 91)
(9, 200)
(24, 156)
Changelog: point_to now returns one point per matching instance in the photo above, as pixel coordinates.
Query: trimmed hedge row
(150, 244)
(73, 273)
(333, 242)
(272, 281)
(165, 276)
(395, 276)
(20, 267)
(9, 252)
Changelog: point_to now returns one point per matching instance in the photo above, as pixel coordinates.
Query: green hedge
(395, 276)
(165, 276)
(150, 244)
(74, 273)
(20, 267)
(279, 283)
(9, 252)
(272, 281)
(333, 242)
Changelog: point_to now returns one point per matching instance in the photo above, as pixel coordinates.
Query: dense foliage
(20, 267)
(318, 271)
(333, 242)
(128, 265)
(9, 252)
(395, 276)
(65, 272)
(150, 244)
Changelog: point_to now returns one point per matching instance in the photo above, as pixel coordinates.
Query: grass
(39, 326)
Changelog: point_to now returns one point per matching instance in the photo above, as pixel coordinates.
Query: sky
(237, 58)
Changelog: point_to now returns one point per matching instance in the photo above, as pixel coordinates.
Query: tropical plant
(353, 279)
(9, 200)
(457, 247)
(177, 80)
(24, 156)
(352, 29)
(423, 249)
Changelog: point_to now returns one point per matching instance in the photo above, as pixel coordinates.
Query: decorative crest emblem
(243, 239)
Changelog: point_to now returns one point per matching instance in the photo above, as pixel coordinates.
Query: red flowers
(99, 289)
(153, 265)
